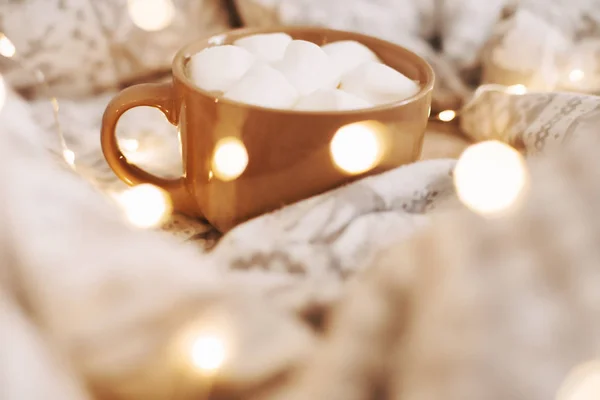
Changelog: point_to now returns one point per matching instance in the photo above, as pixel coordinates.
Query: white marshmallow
(308, 68)
(347, 55)
(379, 84)
(217, 68)
(269, 47)
(264, 86)
(331, 100)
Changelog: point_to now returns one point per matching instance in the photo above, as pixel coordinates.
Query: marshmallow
(331, 100)
(268, 47)
(264, 86)
(347, 55)
(379, 84)
(216, 69)
(308, 68)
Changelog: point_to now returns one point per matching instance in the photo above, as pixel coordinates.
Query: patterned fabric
(86, 46)
(117, 299)
(543, 42)
(330, 237)
(104, 318)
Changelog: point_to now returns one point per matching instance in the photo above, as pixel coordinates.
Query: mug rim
(178, 69)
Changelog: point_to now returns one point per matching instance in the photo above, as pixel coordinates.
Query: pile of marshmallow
(273, 70)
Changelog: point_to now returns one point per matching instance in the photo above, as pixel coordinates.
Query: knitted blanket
(385, 288)
(100, 305)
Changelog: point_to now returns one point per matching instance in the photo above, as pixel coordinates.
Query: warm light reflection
(230, 159)
(7, 48)
(582, 384)
(69, 157)
(151, 15)
(447, 115)
(517, 89)
(358, 147)
(576, 75)
(129, 145)
(206, 344)
(489, 177)
(208, 352)
(145, 205)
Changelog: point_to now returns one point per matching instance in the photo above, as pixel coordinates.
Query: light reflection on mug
(357, 148)
(230, 159)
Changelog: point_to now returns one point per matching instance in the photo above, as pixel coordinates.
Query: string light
(518, 89)
(205, 344)
(69, 157)
(129, 145)
(450, 115)
(230, 159)
(357, 148)
(151, 15)
(7, 48)
(576, 75)
(582, 384)
(145, 206)
(490, 177)
(447, 115)
(208, 352)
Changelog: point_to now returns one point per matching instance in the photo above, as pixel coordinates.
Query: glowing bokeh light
(145, 205)
(576, 75)
(517, 89)
(447, 115)
(7, 48)
(129, 145)
(151, 15)
(230, 159)
(208, 352)
(69, 157)
(356, 148)
(582, 384)
(489, 177)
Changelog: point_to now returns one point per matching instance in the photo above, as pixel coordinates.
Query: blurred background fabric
(85, 46)
(386, 288)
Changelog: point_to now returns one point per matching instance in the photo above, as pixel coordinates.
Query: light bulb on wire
(145, 206)
(208, 352)
(129, 145)
(576, 75)
(517, 89)
(583, 383)
(205, 345)
(447, 115)
(151, 15)
(69, 157)
(7, 48)
(489, 177)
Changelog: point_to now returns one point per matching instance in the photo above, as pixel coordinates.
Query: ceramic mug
(242, 160)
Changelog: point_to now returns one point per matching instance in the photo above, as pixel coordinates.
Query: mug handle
(157, 95)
